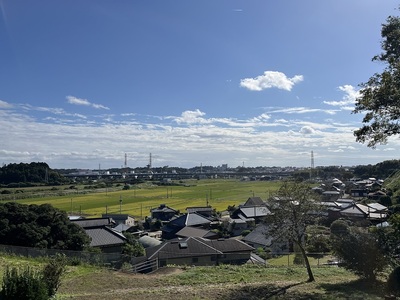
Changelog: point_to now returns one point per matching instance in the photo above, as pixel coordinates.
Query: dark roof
(195, 232)
(253, 201)
(258, 236)
(195, 246)
(93, 222)
(229, 245)
(199, 209)
(163, 208)
(104, 237)
(177, 248)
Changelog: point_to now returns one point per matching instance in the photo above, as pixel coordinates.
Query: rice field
(139, 199)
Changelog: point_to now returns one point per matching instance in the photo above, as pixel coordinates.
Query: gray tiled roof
(94, 222)
(104, 237)
(195, 246)
(255, 211)
(195, 232)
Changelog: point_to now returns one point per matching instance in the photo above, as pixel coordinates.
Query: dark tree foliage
(41, 226)
(380, 95)
(35, 172)
(358, 250)
(381, 170)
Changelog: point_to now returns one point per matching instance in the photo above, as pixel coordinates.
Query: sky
(243, 83)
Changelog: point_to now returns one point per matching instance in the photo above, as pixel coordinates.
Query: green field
(139, 199)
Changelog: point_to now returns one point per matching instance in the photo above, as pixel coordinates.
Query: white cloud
(300, 110)
(191, 117)
(349, 98)
(84, 102)
(5, 105)
(307, 130)
(271, 79)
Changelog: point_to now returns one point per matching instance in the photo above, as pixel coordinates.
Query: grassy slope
(139, 200)
(222, 282)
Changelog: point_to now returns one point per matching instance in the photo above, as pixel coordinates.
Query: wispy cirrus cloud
(79, 101)
(271, 79)
(299, 110)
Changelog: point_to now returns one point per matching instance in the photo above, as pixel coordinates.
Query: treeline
(23, 174)
(381, 170)
(40, 226)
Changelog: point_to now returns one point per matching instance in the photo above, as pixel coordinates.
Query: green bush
(25, 285)
(52, 273)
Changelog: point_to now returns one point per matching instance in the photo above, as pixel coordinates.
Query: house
(200, 252)
(102, 235)
(255, 212)
(205, 211)
(193, 219)
(259, 237)
(163, 213)
(121, 219)
(359, 192)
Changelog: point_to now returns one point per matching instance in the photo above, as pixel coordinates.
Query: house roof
(93, 222)
(148, 241)
(199, 209)
(178, 248)
(190, 219)
(377, 206)
(195, 232)
(353, 211)
(255, 211)
(258, 236)
(196, 246)
(104, 237)
(118, 217)
(163, 209)
(121, 227)
(254, 201)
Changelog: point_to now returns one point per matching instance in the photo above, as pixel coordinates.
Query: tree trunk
(308, 266)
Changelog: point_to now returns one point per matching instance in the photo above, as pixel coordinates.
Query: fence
(113, 260)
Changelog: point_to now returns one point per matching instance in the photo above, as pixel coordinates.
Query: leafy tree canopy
(41, 226)
(34, 172)
(380, 95)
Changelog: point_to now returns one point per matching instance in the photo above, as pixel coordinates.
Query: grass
(137, 201)
(218, 282)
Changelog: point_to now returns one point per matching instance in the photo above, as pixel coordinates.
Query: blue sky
(254, 83)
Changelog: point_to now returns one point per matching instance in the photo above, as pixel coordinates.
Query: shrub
(25, 285)
(52, 273)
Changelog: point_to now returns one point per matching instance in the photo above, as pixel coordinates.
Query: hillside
(221, 282)
(392, 183)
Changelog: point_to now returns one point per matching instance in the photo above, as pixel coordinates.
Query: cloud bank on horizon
(257, 84)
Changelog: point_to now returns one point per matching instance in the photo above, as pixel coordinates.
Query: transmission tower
(312, 164)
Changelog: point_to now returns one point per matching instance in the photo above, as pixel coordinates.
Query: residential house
(193, 219)
(205, 211)
(260, 238)
(102, 235)
(163, 213)
(125, 219)
(200, 252)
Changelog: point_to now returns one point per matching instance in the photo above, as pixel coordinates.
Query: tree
(293, 207)
(358, 250)
(41, 226)
(380, 95)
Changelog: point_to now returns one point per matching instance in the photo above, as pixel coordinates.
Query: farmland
(139, 199)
